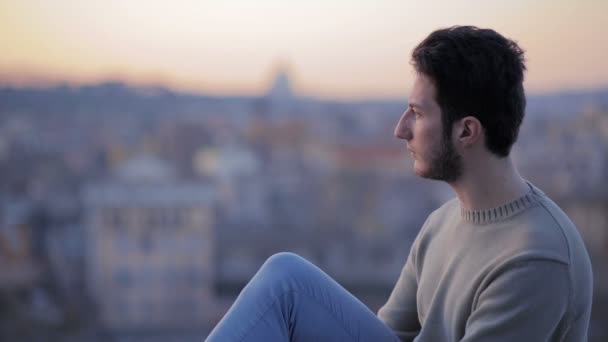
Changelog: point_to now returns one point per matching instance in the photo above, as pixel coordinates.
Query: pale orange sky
(341, 48)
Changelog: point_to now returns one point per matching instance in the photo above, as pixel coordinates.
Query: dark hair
(476, 72)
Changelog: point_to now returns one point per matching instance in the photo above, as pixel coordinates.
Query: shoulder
(450, 210)
(437, 223)
(545, 233)
(572, 249)
(545, 230)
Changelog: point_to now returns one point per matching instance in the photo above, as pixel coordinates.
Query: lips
(412, 154)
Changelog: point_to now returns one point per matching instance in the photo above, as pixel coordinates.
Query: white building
(150, 249)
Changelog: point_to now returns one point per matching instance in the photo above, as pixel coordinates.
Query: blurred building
(19, 267)
(281, 88)
(150, 249)
(26, 304)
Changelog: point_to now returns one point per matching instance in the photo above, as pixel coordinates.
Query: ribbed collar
(504, 211)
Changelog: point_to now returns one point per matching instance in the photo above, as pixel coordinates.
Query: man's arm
(526, 302)
(400, 311)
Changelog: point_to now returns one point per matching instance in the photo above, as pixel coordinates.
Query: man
(501, 262)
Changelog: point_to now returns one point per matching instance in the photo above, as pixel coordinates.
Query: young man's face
(422, 128)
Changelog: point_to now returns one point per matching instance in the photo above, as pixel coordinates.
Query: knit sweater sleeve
(400, 311)
(526, 302)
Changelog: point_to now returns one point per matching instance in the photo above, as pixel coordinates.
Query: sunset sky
(332, 48)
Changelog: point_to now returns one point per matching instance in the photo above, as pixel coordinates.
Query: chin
(419, 170)
(422, 171)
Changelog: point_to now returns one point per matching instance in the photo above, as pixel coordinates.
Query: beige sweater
(519, 272)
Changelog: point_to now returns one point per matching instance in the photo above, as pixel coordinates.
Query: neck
(488, 184)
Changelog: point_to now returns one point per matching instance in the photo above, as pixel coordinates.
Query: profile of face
(422, 128)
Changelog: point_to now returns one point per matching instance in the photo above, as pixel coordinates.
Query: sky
(331, 48)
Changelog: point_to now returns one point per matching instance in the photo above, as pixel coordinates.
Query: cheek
(428, 141)
(424, 135)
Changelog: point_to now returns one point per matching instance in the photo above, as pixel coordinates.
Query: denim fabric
(290, 299)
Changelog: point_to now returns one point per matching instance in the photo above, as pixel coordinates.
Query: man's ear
(468, 131)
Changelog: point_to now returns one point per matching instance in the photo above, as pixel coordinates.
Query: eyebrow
(414, 104)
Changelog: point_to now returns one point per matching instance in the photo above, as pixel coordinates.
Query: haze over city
(344, 49)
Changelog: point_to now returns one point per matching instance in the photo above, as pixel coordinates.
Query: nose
(402, 130)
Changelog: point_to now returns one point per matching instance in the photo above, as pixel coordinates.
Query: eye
(414, 112)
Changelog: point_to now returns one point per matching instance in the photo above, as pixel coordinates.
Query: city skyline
(337, 49)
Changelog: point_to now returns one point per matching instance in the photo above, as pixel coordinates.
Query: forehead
(423, 93)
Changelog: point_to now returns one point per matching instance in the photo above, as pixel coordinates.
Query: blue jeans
(290, 299)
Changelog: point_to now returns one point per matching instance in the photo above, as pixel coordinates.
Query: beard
(445, 164)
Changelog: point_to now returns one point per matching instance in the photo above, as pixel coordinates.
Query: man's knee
(284, 261)
(287, 265)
